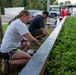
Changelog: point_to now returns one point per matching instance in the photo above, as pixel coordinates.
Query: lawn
(4, 27)
(16, 71)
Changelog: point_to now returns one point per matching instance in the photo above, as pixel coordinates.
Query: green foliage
(52, 1)
(4, 27)
(27, 4)
(63, 55)
(65, 3)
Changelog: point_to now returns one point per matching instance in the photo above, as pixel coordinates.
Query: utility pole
(48, 5)
(48, 9)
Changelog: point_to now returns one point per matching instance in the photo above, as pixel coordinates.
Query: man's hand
(27, 44)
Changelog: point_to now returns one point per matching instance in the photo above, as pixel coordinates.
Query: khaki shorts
(36, 32)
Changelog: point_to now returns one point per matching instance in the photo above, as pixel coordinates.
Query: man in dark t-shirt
(37, 26)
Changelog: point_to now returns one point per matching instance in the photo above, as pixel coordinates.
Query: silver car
(34, 13)
(54, 13)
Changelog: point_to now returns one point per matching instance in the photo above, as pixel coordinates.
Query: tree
(61, 3)
(17, 3)
(67, 2)
(1, 31)
(38, 4)
(25, 3)
(28, 4)
(55, 3)
(52, 1)
(5, 3)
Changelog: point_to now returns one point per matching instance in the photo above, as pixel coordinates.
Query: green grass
(4, 27)
(49, 30)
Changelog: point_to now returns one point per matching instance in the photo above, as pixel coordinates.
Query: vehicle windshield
(32, 11)
(54, 10)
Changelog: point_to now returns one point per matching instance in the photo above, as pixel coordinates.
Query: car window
(55, 10)
(32, 12)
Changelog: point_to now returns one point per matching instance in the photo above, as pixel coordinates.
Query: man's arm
(44, 31)
(32, 39)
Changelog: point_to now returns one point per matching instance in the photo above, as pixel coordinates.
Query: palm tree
(61, 3)
(67, 2)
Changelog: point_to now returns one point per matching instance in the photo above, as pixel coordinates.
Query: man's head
(45, 14)
(63, 7)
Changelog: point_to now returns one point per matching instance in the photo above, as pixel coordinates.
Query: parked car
(54, 13)
(34, 13)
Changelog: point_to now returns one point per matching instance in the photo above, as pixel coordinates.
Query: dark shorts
(36, 32)
(60, 19)
(10, 54)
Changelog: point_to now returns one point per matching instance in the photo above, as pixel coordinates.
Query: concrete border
(37, 64)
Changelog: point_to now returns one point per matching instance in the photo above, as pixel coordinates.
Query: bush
(63, 55)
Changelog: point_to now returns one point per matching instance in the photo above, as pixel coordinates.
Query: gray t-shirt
(13, 36)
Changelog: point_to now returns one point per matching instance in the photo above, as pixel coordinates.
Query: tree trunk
(1, 31)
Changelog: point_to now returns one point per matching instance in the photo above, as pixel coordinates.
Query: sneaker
(5, 66)
(31, 52)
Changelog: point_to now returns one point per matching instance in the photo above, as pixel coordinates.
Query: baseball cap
(46, 13)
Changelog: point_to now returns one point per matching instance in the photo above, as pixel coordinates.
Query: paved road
(7, 18)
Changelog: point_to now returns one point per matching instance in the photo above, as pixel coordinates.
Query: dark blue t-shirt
(36, 23)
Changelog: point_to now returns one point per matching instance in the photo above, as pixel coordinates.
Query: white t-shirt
(13, 36)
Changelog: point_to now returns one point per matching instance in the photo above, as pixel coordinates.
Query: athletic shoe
(5, 66)
(31, 52)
